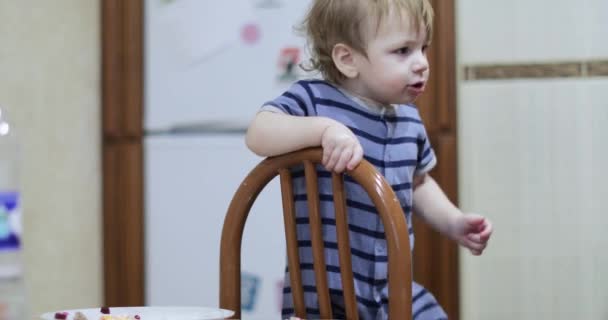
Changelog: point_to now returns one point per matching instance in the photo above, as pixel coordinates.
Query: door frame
(122, 143)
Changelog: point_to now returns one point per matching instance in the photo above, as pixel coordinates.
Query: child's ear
(343, 57)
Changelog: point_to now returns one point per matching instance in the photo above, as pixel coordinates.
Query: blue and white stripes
(395, 142)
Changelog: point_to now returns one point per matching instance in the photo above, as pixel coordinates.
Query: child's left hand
(472, 231)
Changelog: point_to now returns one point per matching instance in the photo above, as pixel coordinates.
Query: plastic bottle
(12, 286)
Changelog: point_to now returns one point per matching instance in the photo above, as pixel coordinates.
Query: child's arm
(469, 230)
(274, 133)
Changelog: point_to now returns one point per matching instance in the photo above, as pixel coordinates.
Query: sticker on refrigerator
(289, 58)
(250, 33)
(10, 227)
(250, 287)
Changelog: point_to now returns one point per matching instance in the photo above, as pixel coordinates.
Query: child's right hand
(341, 148)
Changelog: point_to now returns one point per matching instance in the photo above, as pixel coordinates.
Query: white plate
(150, 313)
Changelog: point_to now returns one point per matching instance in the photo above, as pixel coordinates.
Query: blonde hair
(330, 22)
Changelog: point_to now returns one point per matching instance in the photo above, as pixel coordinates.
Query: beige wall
(50, 84)
(532, 156)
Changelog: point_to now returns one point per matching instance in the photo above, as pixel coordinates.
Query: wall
(532, 156)
(49, 83)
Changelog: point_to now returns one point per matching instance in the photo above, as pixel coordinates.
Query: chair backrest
(381, 194)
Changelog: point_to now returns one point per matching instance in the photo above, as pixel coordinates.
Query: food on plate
(80, 316)
(105, 316)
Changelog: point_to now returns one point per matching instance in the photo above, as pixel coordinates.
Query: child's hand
(341, 149)
(472, 231)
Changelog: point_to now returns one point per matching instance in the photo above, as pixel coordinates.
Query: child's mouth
(416, 88)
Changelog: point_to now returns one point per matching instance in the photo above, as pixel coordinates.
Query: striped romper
(394, 141)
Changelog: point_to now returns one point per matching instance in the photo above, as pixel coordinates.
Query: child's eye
(404, 50)
(425, 47)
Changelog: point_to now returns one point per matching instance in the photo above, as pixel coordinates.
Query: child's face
(396, 68)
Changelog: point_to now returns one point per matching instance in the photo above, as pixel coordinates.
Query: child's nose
(421, 64)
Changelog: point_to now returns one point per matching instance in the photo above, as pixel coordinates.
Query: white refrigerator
(209, 65)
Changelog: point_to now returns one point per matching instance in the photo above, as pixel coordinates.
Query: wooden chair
(383, 197)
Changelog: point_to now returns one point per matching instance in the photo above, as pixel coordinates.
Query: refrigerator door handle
(201, 127)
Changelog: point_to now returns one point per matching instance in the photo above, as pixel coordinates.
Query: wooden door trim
(435, 257)
(122, 123)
